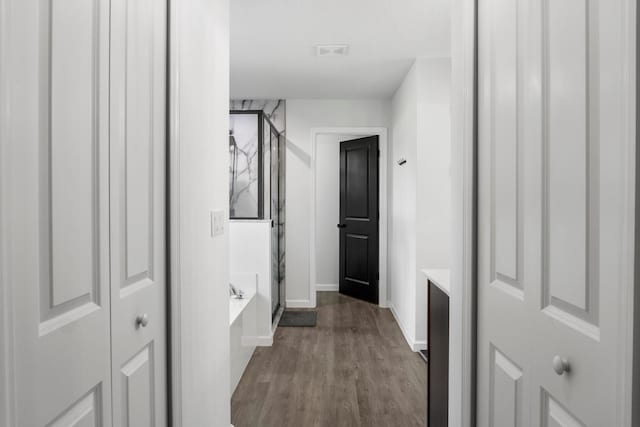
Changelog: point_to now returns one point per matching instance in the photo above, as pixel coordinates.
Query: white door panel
(138, 211)
(553, 170)
(555, 415)
(58, 206)
(84, 413)
(85, 204)
(506, 391)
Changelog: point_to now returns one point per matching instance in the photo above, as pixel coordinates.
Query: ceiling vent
(332, 50)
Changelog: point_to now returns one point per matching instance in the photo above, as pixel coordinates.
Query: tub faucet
(235, 292)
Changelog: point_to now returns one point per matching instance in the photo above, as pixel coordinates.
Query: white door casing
(57, 231)
(555, 217)
(355, 131)
(138, 284)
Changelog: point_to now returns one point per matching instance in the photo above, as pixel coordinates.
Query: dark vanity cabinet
(438, 356)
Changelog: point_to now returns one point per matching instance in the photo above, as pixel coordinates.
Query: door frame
(635, 387)
(462, 314)
(381, 132)
(462, 389)
(7, 379)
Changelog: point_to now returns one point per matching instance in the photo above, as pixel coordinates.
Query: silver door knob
(561, 365)
(142, 320)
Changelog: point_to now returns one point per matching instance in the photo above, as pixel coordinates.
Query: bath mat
(298, 318)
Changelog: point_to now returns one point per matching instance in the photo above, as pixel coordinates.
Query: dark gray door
(359, 218)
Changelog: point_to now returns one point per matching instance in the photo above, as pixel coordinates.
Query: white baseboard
(262, 341)
(299, 303)
(327, 288)
(413, 344)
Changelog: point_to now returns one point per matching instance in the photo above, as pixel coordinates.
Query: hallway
(454, 176)
(353, 369)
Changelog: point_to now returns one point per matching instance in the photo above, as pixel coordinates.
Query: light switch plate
(218, 219)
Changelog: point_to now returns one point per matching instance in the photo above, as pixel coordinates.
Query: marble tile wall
(274, 109)
(243, 170)
(246, 170)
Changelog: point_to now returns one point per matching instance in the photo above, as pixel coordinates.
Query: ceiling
(273, 46)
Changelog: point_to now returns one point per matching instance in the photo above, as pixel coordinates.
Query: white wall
(420, 229)
(402, 206)
(199, 91)
(250, 252)
(433, 224)
(328, 207)
(302, 116)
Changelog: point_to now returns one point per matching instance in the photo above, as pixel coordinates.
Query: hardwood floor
(353, 369)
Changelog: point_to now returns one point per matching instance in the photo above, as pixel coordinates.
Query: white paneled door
(83, 203)
(555, 203)
(138, 321)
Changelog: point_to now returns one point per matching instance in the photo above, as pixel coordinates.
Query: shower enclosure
(256, 151)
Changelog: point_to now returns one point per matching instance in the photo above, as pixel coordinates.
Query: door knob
(342, 225)
(142, 320)
(561, 365)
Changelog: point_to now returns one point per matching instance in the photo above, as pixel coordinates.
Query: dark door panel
(359, 218)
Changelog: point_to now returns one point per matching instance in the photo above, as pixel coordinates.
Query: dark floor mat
(298, 318)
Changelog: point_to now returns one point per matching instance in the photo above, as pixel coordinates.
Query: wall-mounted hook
(402, 161)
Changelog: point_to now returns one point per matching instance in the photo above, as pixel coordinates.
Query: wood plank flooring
(353, 369)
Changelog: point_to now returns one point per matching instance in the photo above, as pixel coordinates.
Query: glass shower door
(256, 184)
(275, 222)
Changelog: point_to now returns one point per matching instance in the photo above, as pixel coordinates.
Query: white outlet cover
(218, 219)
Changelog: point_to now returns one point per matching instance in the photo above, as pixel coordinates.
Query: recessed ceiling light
(332, 50)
